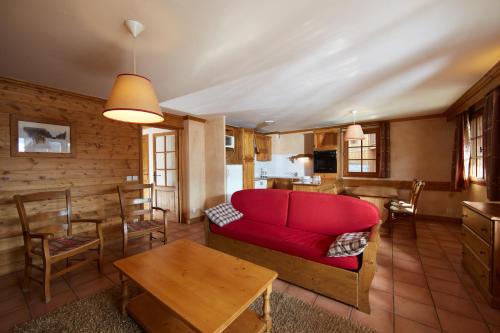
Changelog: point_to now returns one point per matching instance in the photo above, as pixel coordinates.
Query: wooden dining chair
(52, 241)
(137, 213)
(403, 210)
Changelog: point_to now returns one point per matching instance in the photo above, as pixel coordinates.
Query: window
(476, 149)
(361, 157)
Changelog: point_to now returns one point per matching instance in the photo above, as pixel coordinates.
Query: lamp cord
(133, 53)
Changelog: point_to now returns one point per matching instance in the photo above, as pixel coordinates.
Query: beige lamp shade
(133, 100)
(354, 132)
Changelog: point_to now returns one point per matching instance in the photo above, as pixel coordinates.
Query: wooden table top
(206, 288)
(488, 209)
(376, 191)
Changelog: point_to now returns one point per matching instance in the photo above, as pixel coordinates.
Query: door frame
(180, 164)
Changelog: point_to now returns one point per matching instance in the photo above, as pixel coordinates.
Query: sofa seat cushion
(265, 206)
(330, 214)
(308, 245)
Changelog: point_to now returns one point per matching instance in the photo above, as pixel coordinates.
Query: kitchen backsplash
(281, 166)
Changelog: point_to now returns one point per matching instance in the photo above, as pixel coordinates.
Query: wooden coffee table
(192, 288)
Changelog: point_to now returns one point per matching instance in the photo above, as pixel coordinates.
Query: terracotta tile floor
(420, 285)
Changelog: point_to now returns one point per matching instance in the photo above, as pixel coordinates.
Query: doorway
(160, 165)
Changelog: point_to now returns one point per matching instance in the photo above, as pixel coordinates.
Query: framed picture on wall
(32, 137)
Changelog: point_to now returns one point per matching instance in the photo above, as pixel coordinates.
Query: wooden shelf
(154, 317)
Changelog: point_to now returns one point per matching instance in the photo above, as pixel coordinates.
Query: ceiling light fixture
(354, 131)
(132, 98)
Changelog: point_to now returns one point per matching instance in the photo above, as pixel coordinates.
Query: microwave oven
(229, 141)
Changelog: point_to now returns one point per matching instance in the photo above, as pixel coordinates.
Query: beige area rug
(99, 313)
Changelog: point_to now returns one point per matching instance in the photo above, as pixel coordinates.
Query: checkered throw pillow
(349, 244)
(223, 214)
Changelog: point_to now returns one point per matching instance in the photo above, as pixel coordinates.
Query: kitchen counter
(306, 184)
(326, 186)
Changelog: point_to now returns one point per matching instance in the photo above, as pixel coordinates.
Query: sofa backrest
(330, 214)
(266, 206)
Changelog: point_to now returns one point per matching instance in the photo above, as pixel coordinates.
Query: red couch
(303, 224)
(292, 224)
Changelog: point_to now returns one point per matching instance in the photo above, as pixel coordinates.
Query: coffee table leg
(267, 308)
(124, 282)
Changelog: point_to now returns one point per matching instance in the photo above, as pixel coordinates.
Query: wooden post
(125, 295)
(267, 308)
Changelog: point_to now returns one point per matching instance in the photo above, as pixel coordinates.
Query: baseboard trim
(439, 218)
(198, 219)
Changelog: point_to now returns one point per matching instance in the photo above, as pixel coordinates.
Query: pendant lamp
(132, 98)
(354, 131)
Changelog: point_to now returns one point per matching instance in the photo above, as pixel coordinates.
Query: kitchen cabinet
(284, 183)
(235, 155)
(325, 139)
(264, 147)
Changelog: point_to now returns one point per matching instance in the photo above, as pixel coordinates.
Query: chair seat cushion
(402, 210)
(64, 244)
(144, 225)
(300, 243)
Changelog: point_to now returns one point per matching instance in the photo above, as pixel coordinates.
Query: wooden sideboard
(481, 247)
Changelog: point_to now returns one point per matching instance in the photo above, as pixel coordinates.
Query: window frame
(345, 158)
(473, 141)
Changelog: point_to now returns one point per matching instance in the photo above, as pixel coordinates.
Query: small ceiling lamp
(132, 98)
(354, 131)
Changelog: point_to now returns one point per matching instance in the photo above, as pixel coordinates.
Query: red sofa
(294, 228)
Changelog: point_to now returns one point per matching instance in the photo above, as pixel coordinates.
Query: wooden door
(145, 159)
(166, 172)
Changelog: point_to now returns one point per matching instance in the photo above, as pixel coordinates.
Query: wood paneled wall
(106, 153)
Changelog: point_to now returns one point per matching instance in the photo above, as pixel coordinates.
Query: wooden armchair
(138, 220)
(408, 210)
(48, 244)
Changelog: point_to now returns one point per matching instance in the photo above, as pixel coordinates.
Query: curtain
(385, 150)
(491, 144)
(461, 153)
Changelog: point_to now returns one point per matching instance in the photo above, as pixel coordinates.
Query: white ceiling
(302, 63)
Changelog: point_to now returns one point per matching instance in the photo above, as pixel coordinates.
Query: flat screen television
(325, 161)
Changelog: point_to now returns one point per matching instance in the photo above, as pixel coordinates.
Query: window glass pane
(479, 126)
(160, 160)
(171, 161)
(354, 166)
(160, 143)
(171, 178)
(370, 153)
(370, 139)
(170, 142)
(160, 177)
(473, 167)
(479, 146)
(354, 153)
(369, 166)
(473, 144)
(354, 143)
(480, 173)
(473, 127)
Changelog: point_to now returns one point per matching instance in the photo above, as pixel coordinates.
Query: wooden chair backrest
(413, 190)
(133, 201)
(418, 191)
(43, 217)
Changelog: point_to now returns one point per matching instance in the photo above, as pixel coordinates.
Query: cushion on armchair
(223, 214)
(348, 244)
